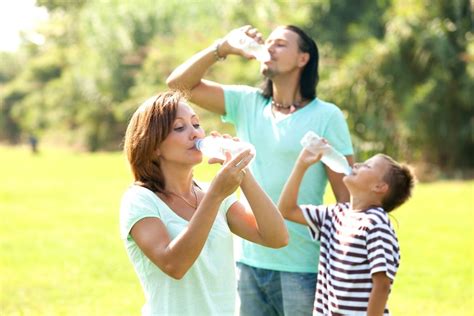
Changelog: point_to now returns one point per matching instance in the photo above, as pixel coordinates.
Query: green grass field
(60, 251)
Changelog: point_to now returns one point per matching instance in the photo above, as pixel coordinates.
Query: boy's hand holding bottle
(320, 149)
(307, 158)
(313, 150)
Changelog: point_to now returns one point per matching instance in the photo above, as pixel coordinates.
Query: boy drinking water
(359, 253)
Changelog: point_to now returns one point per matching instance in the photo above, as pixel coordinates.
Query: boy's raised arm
(288, 203)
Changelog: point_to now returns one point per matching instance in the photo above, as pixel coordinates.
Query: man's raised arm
(189, 75)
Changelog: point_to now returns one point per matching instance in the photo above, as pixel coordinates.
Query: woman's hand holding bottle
(235, 157)
(230, 176)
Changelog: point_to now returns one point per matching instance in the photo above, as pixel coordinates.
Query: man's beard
(268, 73)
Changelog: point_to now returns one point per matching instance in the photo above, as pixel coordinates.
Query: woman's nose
(197, 133)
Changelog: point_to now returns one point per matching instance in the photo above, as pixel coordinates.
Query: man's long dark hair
(309, 76)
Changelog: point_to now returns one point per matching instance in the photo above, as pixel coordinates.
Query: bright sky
(16, 16)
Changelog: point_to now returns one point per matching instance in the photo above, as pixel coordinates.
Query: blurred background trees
(402, 70)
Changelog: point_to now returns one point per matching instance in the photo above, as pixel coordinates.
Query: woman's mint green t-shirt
(208, 288)
(277, 144)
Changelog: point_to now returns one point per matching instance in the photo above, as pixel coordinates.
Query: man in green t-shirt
(274, 119)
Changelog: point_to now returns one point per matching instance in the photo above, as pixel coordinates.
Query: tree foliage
(401, 70)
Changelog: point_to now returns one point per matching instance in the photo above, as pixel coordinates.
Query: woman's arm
(263, 224)
(175, 256)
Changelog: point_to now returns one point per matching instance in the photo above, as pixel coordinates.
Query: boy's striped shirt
(354, 245)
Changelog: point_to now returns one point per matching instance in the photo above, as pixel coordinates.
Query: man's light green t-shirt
(208, 288)
(277, 144)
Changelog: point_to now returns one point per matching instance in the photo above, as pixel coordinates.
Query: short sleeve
(337, 133)
(137, 203)
(383, 250)
(228, 201)
(235, 96)
(314, 215)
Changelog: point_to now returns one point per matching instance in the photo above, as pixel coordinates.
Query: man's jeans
(269, 292)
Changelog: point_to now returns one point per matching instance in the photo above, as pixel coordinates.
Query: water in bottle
(331, 157)
(215, 147)
(238, 39)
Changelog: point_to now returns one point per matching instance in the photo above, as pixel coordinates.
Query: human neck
(178, 180)
(362, 202)
(286, 90)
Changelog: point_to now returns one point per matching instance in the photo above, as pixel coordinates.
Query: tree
(402, 71)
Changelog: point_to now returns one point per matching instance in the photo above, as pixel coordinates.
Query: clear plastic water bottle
(215, 147)
(238, 39)
(331, 157)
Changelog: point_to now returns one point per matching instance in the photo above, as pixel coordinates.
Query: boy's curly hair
(401, 181)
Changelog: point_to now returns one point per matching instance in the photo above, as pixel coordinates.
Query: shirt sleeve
(137, 203)
(228, 201)
(337, 133)
(383, 251)
(314, 216)
(235, 97)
